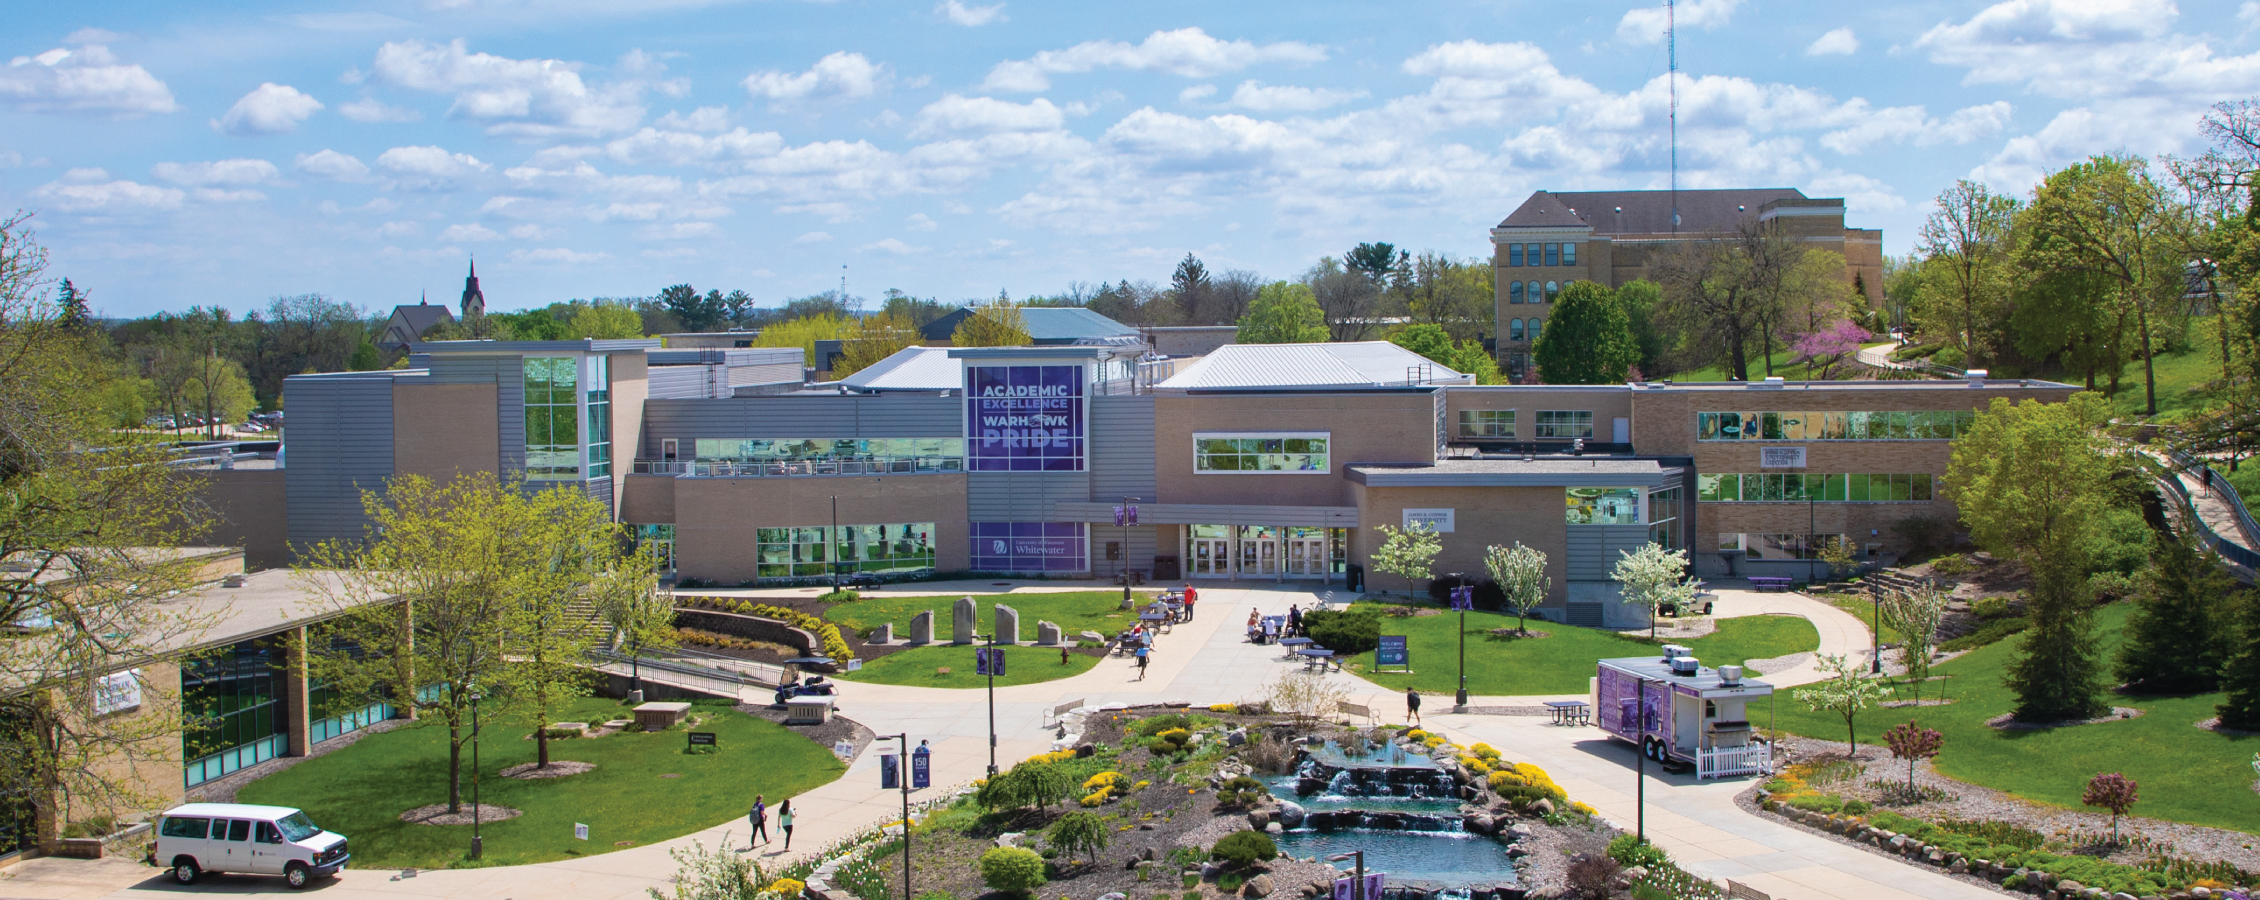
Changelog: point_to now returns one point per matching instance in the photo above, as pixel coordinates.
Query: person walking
(785, 823)
(1412, 705)
(1143, 653)
(1294, 620)
(758, 817)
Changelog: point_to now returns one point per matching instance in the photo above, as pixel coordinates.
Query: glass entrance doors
(1259, 550)
(1306, 557)
(1264, 551)
(1210, 551)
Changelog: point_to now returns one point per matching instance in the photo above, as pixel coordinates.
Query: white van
(248, 840)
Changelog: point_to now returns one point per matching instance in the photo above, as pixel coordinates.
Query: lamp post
(1357, 878)
(903, 782)
(1462, 598)
(834, 555)
(991, 669)
(477, 844)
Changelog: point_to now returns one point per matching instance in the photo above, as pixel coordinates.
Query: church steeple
(474, 300)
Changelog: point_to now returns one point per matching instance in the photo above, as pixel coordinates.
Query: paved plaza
(1204, 661)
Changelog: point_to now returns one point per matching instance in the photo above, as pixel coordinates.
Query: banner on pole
(921, 768)
(890, 773)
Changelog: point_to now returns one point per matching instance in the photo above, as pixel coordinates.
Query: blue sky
(178, 154)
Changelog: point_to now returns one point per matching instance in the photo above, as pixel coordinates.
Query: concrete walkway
(1201, 662)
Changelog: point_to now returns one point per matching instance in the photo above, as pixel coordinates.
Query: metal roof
(1645, 212)
(1360, 364)
(1070, 323)
(911, 369)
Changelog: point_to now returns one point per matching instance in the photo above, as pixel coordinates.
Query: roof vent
(1740, 208)
(1977, 377)
(1772, 382)
(1675, 651)
(1730, 674)
(1620, 209)
(1685, 666)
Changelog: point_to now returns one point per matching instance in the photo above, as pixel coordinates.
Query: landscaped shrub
(1153, 725)
(826, 633)
(1174, 740)
(1630, 850)
(1244, 848)
(1078, 832)
(1593, 877)
(1346, 632)
(1484, 750)
(1014, 870)
(1988, 633)
(1242, 791)
(1029, 784)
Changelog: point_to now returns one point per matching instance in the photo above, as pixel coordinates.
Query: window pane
(1922, 486)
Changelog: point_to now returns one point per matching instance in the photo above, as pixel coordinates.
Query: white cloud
(556, 255)
(1259, 97)
(894, 246)
(521, 97)
(2085, 50)
(676, 231)
(370, 110)
(472, 231)
(651, 146)
(813, 237)
(920, 222)
(88, 79)
(2248, 15)
(1840, 42)
(1646, 25)
(270, 108)
(1196, 93)
(224, 173)
(970, 16)
(428, 168)
(1189, 52)
(703, 120)
(530, 232)
(957, 114)
(1909, 124)
(332, 165)
(840, 77)
(73, 194)
(400, 229)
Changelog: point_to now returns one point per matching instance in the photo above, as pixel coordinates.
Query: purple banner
(1024, 418)
(1030, 547)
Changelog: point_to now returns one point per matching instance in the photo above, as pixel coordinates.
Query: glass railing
(845, 465)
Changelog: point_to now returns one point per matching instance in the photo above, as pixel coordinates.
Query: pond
(1453, 857)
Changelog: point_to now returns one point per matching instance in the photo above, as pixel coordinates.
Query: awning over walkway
(1543, 471)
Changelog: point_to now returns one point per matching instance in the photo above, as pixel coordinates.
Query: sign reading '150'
(1024, 418)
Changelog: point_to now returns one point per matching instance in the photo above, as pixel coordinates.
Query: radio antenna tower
(1671, 52)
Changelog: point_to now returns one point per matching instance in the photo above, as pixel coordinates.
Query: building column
(295, 694)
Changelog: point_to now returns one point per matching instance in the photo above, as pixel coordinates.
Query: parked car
(245, 839)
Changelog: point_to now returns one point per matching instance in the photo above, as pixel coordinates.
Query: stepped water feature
(1401, 808)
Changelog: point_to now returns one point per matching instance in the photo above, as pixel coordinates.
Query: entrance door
(1212, 557)
(1259, 556)
(1306, 557)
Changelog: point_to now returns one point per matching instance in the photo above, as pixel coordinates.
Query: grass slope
(1074, 611)
(361, 790)
(1561, 662)
(920, 667)
(2186, 774)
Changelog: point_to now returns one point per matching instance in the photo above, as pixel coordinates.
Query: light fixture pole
(477, 843)
(991, 668)
(903, 781)
(1462, 598)
(1357, 878)
(833, 555)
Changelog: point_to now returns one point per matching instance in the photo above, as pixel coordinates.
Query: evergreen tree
(1588, 338)
(2241, 678)
(70, 306)
(2176, 640)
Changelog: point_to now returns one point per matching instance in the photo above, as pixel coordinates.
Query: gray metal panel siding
(1022, 496)
(882, 416)
(680, 382)
(339, 443)
(1594, 549)
(1122, 448)
(600, 490)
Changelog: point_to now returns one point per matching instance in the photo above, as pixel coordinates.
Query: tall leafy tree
(1640, 299)
(1408, 553)
(994, 324)
(1588, 338)
(1284, 312)
(1520, 573)
(1350, 301)
(1723, 296)
(2108, 217)
(697, 312)
(1455, 294)
(871, 339)
(2179, 637)
(573, 552)
(1966, 246)
(2033, 482)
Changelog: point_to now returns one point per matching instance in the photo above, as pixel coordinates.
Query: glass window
(1533, 328)
(1491, 423)
(1832, 426)
(1562, 424)
(553, 418)
(1569, 254)
(1514, 292)
(1296, 453)
(661, 539)
(812, 553)
(1603, 506)
(1553, 257)
(1514, 258)
(1553, 290)
(185, 827)
(1711, 488)
(296, 827)
(600, 416)
(1536, 256)
(1514, 329)
(232, 710)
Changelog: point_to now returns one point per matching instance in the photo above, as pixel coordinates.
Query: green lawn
(1782, 366)
(361, 790)
(2178, 376)
(1074, 611)
(920, 667)
(2186, 774)
(1858, 606)
(1561, 662)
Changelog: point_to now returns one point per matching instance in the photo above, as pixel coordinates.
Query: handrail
(661, 664)
(2230, 550)
(842, 465)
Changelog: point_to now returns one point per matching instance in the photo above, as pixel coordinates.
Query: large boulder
(1290, 814)
(1259, 886)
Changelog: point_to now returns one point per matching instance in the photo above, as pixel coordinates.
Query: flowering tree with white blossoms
(1653, 576)
(1520, 573)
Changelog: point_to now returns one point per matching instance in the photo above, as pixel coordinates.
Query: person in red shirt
(1189, 599)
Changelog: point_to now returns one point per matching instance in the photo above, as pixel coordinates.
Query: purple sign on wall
(1024, 418)
(1030, 547)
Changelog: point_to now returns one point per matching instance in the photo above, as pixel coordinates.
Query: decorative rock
(1047, 634)
(962, 616)
(1519, 830)
(1273, 828)
(1010, 838)
(1092, 636)
(1258, 819)
(2069, 887)
(1259, 886)
(1544, 807)
(1236, 739)
(884, 634)
(1480, 824)
(922, 628)
(1959, 866)
(1149, 855)
(1113, 896)
(1008, 625)
(1934, 856)
(1291, 814)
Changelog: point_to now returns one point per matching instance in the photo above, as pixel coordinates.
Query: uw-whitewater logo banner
(1024, 418)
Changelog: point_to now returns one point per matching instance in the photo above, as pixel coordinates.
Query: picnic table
(1294, 644)
(1762, 583)
(1315, 657)
(1570, 712)
(1158, 620)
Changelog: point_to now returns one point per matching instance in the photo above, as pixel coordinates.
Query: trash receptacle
(1354, 579)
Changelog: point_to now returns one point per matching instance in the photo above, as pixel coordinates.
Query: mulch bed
(2214, 725)
(2008, 721)
(437, 814)
(840, 728)
(557, 768)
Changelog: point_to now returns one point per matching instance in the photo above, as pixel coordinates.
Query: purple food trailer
(1675, 710)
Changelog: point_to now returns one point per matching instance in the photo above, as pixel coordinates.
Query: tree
(1967, 268)
(1588, 338)
(1189, 286)
(1723, 296)
(71, 308)
(1653, 577)
(1830, 347)
(2033, 482)
(1640, 299)
(577, 557)
(1408, 553)
(1350, 302)
(639, 612)
(1379, 262)
(697, 312)
(871, 339)
(1913, 743)
(604, 320)
(1079, 832)
(458, 557)
(1520, 573)
(84, 593)
(1029, 785)
(2114, 792)
(1915, 614)
(1843, 690)
(804, 333)
(2241, 677)
(2177, 639)
(1304, 696)
(994, 324)
(2106, 216)
(1457, 294)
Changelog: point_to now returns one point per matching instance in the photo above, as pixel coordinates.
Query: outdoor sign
(117, 692)
(1024, 418)
(855, 665)
(1125, 515)
(890, 771)
(580, 832)
(843, 749)
(989, 661)
(1030, 546)
(703, 739)
(1463, 597)
(1346, 888)
(1436, 520)
(921, 768)
(1392, 652)
(1781, 457)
